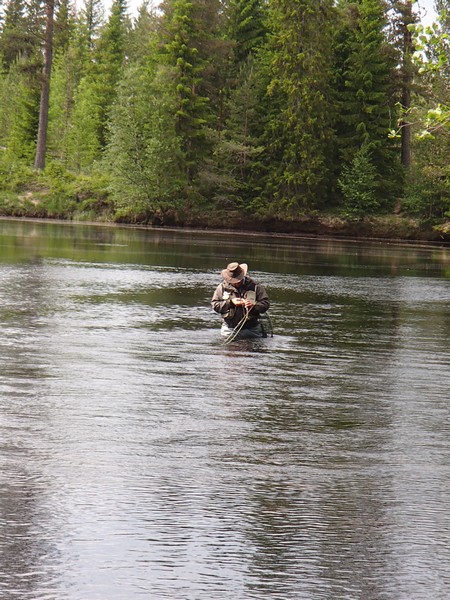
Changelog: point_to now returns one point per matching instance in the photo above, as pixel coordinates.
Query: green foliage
(15, 40)
(189, 27)
(363, 90)
(22, 114)
(299, 135)
(90, 21)
(15, 175)
(432, 56)
(427, 194)
(358, 183)
(83, 144)
(53, 193)
(215, 107)
(143, 154)
(238, 148)
(64, 26)
(106, 67)
(247, 26)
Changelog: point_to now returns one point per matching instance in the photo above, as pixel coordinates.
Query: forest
(313, 116)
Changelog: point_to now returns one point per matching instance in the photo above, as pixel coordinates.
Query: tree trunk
(407, 78)
(41, 146)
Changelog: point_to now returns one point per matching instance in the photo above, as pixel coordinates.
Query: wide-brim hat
(235, 272)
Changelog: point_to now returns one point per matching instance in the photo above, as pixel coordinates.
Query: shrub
(358, 183)
(427, 194)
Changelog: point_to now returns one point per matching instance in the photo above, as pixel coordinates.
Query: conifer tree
(91, 19)
(402, 20)
(108, 61)
(143, 153)
(71, 64)
(23, 113)
(365, 94)
(41, 142)
(20, 49)
(83, 144)
(188, 29)
(141, 35)
(299, 135)
(358, 183)
(14, 40)
(247, 26)
(64, 26)
(97, 86)
(240, 148)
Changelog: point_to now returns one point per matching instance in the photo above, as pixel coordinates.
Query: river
(141, 458)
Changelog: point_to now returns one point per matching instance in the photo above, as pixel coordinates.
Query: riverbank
(383, 227)
(390, 229)
(99, 209)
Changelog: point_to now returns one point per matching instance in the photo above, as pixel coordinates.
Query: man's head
(235, 273)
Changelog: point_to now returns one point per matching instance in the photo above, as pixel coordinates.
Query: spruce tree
(143, 153)
(23, 113)
(358, 183)
(299, 135)
(14, 39)
(20, 48)
(70, 66)
(141, 35)
(240, 147)
(91, 19)
(83, 144)
(64, 26)
(247, 26)
(188, 33)
(365, 93)
(108, 61)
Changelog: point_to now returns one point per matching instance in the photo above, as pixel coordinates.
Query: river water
(141, 458)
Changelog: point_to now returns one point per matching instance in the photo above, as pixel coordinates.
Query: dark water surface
(140, 458)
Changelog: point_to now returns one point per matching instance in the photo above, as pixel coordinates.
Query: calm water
(143, 459)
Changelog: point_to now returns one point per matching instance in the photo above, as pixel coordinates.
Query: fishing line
(238, 328)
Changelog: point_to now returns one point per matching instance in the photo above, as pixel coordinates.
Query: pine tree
(402, 21)
(41, 143)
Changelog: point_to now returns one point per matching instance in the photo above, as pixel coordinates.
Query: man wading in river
(240, 301)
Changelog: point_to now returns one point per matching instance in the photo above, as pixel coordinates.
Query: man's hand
(238, 301)
(243, 302)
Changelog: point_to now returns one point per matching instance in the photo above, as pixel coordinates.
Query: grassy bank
(59, 196)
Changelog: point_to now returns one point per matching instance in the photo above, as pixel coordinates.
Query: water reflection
(23, 240)
(143, 458)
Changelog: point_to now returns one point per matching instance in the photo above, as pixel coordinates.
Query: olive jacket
(222, 302)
